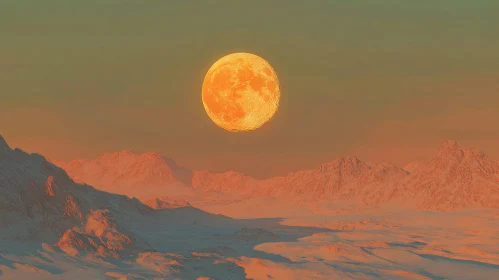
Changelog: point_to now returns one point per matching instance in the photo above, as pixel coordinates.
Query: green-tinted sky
(384, 80)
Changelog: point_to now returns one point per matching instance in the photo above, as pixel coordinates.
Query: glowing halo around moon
(241, 92)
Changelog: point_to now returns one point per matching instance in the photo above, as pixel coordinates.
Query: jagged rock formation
(99, 234)
(39, 202)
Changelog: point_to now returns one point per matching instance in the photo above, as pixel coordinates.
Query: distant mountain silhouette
(148, 174)
(454, 179)
(128, 173)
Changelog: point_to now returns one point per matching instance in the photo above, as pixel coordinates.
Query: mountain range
(455, 178)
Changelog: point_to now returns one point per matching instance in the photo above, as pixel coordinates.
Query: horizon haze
(85, 78)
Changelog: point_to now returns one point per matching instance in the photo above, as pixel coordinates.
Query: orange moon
(241, 92)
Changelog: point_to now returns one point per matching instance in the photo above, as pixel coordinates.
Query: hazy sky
(383, 80)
